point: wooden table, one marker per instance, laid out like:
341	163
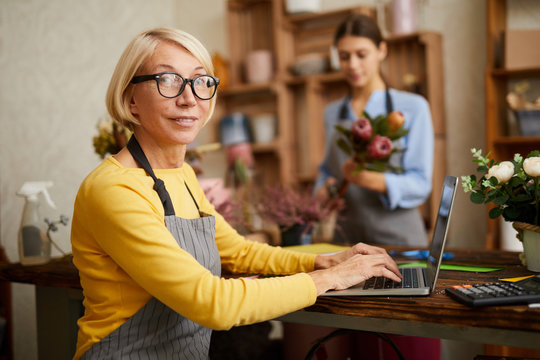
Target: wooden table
436	315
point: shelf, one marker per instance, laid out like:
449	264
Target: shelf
340	13
246	89
498	121
299	102
517	140
324	78
504	73
265	148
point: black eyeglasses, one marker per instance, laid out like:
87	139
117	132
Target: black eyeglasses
171	85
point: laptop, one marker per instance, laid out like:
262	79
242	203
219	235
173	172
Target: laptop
417	281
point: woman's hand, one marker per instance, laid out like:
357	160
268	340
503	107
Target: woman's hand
370	180
323	193
324	261
350	267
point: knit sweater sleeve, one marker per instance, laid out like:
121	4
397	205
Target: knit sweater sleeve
125	255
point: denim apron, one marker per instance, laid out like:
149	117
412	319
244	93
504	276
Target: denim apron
365	218
156	331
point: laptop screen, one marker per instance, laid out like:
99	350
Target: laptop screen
441	229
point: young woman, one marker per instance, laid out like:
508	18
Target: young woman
150	247
380	208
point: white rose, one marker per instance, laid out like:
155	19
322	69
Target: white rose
503	172
532	166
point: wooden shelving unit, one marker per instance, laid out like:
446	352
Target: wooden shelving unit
499	140
299	101
6	349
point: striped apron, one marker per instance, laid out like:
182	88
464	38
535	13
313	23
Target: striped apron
156	331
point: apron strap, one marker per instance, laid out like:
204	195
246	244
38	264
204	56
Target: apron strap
389	103
159	186
344	110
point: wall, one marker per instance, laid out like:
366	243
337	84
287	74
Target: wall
56	58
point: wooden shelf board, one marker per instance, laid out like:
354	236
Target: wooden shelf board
515	72
244	89
263	148
305	17
328	77
516	140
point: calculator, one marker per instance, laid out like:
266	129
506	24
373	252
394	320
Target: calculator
498	293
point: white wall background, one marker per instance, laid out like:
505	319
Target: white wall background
56	58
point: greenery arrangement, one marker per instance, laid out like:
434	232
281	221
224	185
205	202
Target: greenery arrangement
511	186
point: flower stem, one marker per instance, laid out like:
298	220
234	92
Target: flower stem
536	185
332	202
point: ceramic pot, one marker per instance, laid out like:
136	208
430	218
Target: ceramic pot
259	68
324	230
264	128
404	19
234	129
303	6
530	236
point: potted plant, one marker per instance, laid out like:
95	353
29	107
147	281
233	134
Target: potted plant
512	187
294	209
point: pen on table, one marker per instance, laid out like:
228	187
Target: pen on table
418	254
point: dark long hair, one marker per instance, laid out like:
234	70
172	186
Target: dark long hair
359	25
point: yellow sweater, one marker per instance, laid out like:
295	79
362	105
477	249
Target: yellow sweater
126	255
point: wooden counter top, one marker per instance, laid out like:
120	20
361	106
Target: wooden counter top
59	272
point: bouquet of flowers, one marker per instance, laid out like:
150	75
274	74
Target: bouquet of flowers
512	186
369	141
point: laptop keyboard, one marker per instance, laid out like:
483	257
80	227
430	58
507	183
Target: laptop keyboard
409	280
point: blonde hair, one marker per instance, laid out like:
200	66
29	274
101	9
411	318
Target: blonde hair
134	56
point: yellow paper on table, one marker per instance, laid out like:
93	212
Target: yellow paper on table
319	248
516	279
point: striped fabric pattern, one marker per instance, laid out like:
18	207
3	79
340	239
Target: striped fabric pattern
156	331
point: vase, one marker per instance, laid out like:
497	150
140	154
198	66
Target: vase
404	16
259	66
298	234
264	128
323	231
530	236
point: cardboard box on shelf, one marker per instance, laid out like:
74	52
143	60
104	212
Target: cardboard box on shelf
522	49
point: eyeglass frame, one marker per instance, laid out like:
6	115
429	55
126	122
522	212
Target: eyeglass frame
156	77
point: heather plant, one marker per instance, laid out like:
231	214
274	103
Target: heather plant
287	206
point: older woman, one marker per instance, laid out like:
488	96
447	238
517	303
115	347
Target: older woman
150	247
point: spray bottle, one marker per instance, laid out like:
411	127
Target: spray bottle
34	245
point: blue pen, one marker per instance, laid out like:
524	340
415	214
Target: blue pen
418	254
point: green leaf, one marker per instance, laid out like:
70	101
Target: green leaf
523	198
399	133
344	146
344	131
477	197
366	115
511	213
502	199
495	212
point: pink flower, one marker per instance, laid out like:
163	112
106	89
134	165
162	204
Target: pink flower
379	148
361	129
